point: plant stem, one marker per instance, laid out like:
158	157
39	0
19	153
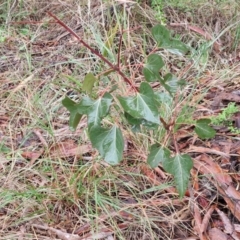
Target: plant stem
114	67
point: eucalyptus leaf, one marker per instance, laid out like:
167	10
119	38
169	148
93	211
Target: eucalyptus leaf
109	143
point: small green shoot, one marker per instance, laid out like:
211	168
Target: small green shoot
225	118
142	107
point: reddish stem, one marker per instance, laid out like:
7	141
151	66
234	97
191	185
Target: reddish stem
114	67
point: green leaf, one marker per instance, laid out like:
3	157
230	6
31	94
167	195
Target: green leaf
179	166
4	148
99	109
75	116
164	40
136	122
163	98
160	34
171	83
109	143
143	105
152	67
84	105
157	155
95	110
203	130
88	83
131	120
175	46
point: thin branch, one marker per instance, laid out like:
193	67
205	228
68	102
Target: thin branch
114	67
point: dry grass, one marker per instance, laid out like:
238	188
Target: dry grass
83	195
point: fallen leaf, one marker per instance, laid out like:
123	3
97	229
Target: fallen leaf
68	149
228	226
198	221
195	182
221	180
237	227
215	233
237	120
150	174
203	202
33	156
207	150
206	218
217	172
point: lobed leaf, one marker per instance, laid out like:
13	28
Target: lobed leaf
161	34
152	67
109	143
163	38
143	105
179	166
157	154
95	110
99	109
203	130
176	46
